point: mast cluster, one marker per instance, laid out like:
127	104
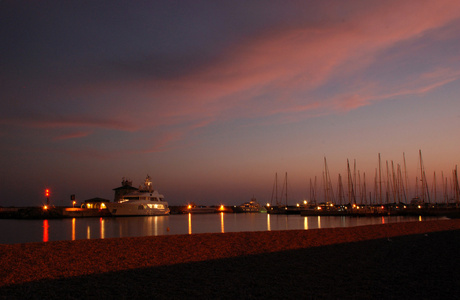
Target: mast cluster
391	185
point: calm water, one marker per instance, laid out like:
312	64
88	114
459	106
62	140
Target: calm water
25	231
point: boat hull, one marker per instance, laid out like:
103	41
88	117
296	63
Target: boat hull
200	210
125	209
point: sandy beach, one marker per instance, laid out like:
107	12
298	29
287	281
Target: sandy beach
398	260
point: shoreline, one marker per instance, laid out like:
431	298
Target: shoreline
63	212
46	263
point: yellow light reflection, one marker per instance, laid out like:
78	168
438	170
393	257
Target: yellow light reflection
268	222
102	221
88	233
305	223
319	222
383	220
73	229
149	225
189	223
222	229
155	222
420	218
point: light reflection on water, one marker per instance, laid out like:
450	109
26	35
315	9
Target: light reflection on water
100	228
45	230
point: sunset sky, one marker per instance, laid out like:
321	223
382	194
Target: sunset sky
212	98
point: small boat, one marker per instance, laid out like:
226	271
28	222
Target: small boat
194	209
143	202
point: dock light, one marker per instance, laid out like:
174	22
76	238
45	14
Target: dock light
298	204
45	207
73	203
305	202
189	207
268	204
222	207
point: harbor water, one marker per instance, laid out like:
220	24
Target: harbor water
13	231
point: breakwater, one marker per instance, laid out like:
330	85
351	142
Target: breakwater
53	212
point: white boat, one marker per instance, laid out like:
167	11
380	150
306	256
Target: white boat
144	202
251	206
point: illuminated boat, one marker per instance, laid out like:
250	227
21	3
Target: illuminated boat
143	202
251	206
192	208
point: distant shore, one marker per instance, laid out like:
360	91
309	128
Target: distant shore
379	260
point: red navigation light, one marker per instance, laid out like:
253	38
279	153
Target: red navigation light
47	192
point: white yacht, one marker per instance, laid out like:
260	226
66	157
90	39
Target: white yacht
143	202
251	206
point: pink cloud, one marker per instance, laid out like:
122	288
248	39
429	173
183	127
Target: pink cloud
164	140
72	135
305	58
51	121
283	67
425	83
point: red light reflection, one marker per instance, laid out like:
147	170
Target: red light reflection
45	230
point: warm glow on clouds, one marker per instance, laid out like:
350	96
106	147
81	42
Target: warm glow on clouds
229	90
288	64
72	135
299	60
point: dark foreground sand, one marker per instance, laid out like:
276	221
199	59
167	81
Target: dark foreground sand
399	260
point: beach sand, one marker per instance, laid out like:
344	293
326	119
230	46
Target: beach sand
397	260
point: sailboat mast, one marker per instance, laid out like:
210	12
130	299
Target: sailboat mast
388	184
393	179
360	189
276	188
456	188
364	188
349	182
354	181
405	178
340	190
421	177
326	181
380	181
376	188
286	190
